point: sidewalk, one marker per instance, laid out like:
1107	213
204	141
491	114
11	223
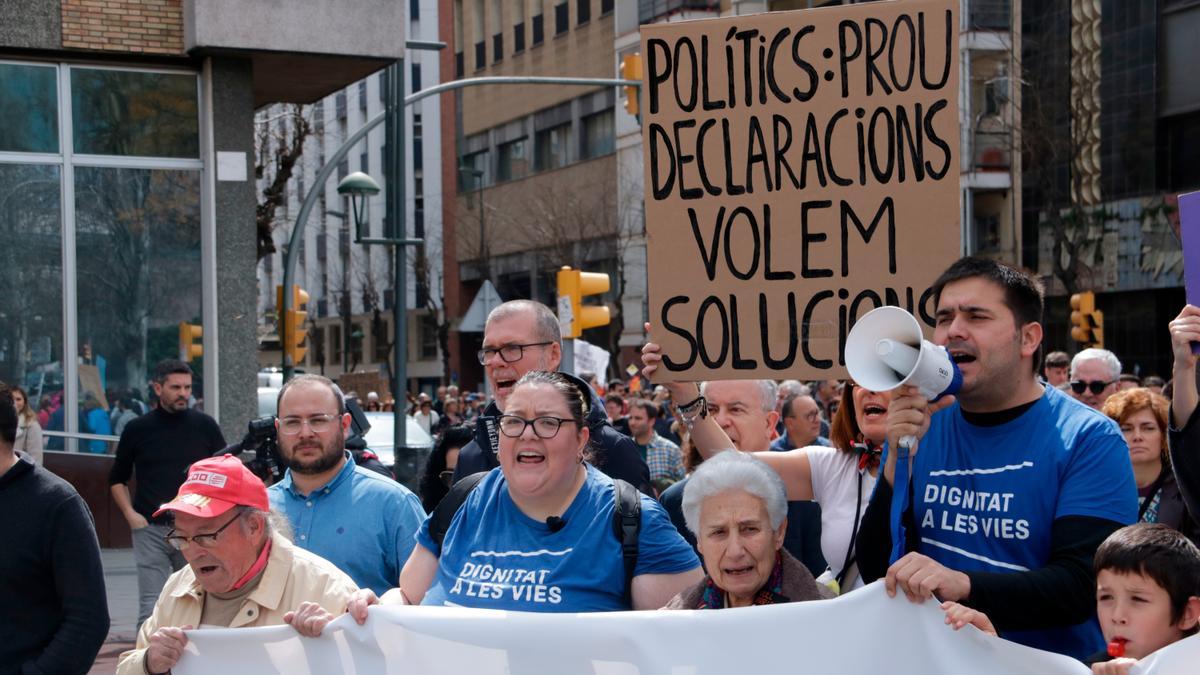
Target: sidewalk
120	582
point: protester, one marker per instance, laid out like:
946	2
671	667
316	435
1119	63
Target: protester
615	407
521	336
52	593
1128	381
736	507
537	534
1012	486
840	479
1147	596
425	416
1094	376
743	417
29	431
373	404
1184	430
801	424
1154	383
1056	368
662	457
358	520
1143	419
97	423
242	571
155	450
439	469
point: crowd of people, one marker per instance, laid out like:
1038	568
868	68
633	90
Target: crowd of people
1052	501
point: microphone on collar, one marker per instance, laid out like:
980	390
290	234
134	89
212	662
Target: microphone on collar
555	523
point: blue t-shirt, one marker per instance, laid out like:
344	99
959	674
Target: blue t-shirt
984	498
496	557
360	521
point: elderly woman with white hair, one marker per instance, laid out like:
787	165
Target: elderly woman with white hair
737	507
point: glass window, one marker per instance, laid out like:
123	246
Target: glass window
121	112
474	173
552	147
598	134
28	108
31	332
427	348
513	160
335	344
137	236
561	20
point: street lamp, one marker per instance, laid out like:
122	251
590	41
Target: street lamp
359	187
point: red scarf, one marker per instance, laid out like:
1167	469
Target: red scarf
257	567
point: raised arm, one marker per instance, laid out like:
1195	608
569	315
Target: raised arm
1184	329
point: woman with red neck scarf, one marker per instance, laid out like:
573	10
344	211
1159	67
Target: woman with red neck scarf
840	478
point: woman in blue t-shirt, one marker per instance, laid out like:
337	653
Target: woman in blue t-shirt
537	533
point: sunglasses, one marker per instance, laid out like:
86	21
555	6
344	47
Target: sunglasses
1097	386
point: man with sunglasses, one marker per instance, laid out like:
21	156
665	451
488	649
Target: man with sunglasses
355	518
1094	376
240	571
521	336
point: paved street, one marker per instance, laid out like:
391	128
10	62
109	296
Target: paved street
120	581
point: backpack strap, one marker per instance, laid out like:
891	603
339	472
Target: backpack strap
627	524
443	514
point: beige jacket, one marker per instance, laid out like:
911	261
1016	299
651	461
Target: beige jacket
292	576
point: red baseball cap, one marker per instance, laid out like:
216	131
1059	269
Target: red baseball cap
215	485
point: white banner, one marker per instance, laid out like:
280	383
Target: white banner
591	359
862	632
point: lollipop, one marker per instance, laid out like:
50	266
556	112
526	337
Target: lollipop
1116	648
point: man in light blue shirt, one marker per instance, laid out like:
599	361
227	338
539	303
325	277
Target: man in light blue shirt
357	519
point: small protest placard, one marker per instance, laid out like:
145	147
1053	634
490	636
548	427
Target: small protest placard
801	169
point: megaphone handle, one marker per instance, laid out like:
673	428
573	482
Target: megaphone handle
907	442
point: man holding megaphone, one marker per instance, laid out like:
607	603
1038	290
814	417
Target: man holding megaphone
996	497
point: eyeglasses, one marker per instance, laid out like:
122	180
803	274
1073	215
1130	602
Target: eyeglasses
319	424
209	540
508	353
446	477
1097	386
543	427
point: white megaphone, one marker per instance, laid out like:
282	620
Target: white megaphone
886	349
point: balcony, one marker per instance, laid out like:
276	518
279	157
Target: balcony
650	11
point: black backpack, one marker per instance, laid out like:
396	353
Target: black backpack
627	519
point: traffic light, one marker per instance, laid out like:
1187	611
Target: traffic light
573	316
631	69
292	329
190	347
1087	322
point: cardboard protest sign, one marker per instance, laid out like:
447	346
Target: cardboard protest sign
801	169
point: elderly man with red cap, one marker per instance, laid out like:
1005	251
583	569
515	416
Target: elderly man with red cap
241	570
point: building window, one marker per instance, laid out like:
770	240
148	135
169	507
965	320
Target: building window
339	104
335	343
583	11
119	112
561	20
475	170
512	160
362	95
414	77
414	10
459	67
551	147
539	23
29	99
606	7
497	47
480	55
380	332
418	134
427	338
598	135
316	346
519	38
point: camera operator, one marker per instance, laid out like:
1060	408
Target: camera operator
357	519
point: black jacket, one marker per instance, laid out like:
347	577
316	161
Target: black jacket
613	452
1179	506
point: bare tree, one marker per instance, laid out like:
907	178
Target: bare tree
280	134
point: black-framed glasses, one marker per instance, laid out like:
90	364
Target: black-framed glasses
508	353
1097	386
545	427
318	423
447	477
207	540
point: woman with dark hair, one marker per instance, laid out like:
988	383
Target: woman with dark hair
435	482
29	431
840	478
537	532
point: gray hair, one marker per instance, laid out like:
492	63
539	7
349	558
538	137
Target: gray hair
767	389
1110	359
732	470
273	522
544	321
789	387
